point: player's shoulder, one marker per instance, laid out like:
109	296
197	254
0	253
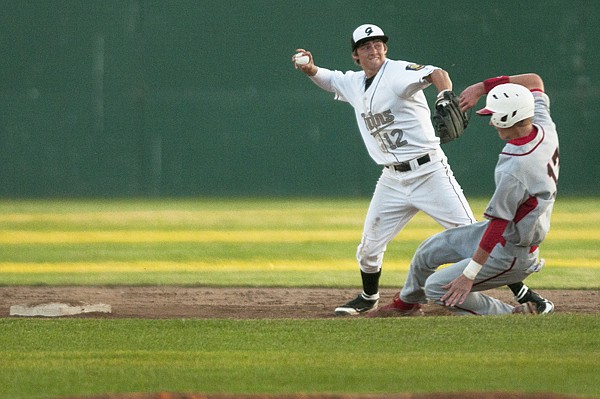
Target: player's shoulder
405	65
541	147
350	74
411	66
349	77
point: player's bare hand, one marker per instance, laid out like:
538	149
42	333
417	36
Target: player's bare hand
458	289
469	97
303	60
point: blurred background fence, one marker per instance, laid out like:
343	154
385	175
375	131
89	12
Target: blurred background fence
151	98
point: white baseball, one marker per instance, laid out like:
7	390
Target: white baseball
301	59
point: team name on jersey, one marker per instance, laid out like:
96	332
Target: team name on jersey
376	122
387	140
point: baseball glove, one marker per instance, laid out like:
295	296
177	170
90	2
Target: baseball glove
449	121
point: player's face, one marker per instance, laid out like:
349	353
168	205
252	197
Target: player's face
371	54
505	134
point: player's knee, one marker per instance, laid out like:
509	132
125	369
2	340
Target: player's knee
433	290
423	260
369	261
369	264
369	268
420	256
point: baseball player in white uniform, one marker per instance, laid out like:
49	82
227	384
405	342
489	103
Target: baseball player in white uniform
504	248
395	123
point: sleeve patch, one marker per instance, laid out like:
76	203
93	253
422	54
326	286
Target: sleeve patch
414	67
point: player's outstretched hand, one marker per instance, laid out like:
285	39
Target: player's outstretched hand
458	289
470	96
303	60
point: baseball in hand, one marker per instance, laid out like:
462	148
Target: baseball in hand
301	59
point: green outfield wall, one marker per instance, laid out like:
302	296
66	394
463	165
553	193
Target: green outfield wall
119	98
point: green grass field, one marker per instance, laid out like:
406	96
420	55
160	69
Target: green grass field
242	242
250	242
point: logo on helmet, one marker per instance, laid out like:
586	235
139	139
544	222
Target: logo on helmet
365	33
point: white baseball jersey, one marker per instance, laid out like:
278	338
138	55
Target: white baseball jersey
526	176
393	131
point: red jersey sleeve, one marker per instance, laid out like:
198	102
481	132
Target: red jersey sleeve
493	234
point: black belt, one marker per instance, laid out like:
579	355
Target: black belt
405	166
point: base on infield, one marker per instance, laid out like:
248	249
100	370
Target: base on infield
56	309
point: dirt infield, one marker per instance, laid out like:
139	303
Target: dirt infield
163	302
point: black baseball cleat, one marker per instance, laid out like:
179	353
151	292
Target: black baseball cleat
356	306
543	306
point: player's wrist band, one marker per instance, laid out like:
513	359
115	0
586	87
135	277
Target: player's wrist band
472	269
490	83
441	93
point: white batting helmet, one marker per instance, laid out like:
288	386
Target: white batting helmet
365	33
508	104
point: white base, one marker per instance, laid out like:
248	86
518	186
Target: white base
58	309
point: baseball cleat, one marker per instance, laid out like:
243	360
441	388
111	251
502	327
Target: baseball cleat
356	306
398	308
543	306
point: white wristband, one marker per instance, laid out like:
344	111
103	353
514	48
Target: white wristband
441	93
472	269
